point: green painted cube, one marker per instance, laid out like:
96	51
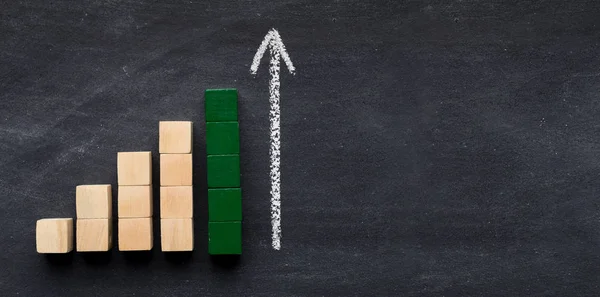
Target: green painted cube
221	105
222	138
224	205
223	171
225	238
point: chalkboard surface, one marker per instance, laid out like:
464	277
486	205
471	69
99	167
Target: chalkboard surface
428	148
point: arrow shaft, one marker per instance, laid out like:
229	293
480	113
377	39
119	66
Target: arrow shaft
273	42
275	149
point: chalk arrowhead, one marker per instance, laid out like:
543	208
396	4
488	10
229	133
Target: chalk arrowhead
272	40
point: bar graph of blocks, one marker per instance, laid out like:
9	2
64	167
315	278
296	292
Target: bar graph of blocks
93	232
223	172
134	175
94	218
176	192
94	226
54	236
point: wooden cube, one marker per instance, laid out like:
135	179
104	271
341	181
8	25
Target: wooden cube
176	202
176	169
176	235
222	138
223	171
224	205
93	202
135	234
224	238
135	201
220	105
174	137
134	168
94	235
54	236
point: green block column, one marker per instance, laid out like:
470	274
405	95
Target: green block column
223	172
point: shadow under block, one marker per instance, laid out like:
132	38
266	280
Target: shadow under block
174	137
134	168
54	236
135	201
176	202
176	169
222	138
220	105
225	238
135	234
223	171
93	202
176	235
94	235
224	205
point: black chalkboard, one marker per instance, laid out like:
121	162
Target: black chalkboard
428	148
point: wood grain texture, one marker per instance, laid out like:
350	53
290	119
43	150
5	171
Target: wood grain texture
175	137
176	235
176	202
176	169
134	168
94	235
54	236
135	234
93	201
135	201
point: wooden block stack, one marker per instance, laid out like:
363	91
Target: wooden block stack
223	172
176	194
54	236
134	171
94	218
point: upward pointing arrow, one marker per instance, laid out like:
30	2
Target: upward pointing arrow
277	50
273	41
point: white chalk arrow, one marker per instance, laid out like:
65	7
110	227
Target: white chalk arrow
277	50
